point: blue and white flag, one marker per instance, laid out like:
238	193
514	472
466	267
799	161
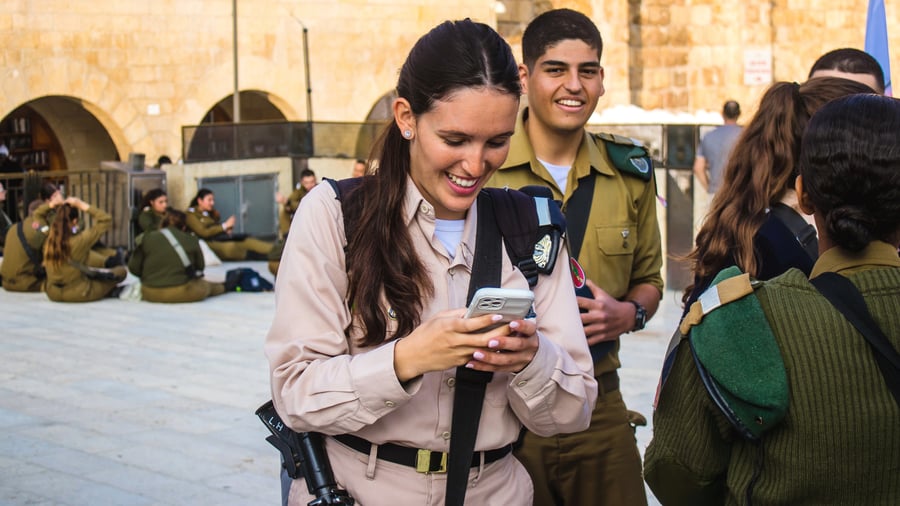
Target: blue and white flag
877	40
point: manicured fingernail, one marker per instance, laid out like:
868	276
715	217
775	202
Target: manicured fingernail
478	355
493	343
513	325
470	365
496	317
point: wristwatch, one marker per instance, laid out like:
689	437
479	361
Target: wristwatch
640	316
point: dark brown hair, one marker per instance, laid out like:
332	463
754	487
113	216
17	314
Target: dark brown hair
762	167
381	260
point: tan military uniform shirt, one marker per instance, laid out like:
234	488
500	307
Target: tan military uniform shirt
17	268
622	246
323	381
202	224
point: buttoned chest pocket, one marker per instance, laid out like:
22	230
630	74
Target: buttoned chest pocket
616	240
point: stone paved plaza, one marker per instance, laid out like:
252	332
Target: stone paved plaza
135	403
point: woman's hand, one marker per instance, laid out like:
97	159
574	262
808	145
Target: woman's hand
447	340
228	225
77	202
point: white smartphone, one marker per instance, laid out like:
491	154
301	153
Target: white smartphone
511	303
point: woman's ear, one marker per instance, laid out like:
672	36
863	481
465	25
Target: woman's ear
404	117
802	198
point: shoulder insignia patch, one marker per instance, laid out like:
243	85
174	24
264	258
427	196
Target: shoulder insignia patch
191	210
628	155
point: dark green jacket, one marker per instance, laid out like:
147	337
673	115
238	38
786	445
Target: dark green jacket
149	220
17	268
157	264
840	440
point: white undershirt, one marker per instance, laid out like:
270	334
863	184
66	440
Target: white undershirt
449	232
560	174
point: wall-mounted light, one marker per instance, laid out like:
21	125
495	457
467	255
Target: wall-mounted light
499	7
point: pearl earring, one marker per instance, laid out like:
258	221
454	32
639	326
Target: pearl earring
407	134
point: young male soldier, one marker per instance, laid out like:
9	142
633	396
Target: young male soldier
853	64
620	253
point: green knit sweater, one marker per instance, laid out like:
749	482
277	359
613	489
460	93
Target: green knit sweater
840	440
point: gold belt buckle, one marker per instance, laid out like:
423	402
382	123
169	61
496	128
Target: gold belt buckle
423	462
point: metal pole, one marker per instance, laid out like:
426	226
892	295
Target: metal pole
237	91
309	114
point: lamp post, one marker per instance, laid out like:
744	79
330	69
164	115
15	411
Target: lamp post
309	114
236	115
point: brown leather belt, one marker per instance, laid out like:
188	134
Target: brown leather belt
424	461
608	382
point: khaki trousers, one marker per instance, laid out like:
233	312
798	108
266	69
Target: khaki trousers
237	250
600	466
192	291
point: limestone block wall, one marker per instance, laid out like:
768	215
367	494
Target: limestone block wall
144	69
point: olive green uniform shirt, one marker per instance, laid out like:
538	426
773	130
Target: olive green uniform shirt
149	220
202	224
157	263
622	246
17	268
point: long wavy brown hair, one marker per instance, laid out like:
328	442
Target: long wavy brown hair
57	247
762	167
380	254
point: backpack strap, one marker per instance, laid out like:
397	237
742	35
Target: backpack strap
845	297
179	249
802	231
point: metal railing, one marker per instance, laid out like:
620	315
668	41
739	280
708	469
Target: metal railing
236	141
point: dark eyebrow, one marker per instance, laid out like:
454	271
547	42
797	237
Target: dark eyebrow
559	63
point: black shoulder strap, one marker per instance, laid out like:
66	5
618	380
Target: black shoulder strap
803	231
578	210
27	247
342	189
845	297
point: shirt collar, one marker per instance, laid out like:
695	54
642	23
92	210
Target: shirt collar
590	155
415	206
837	259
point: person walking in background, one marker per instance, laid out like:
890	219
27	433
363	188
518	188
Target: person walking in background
204	220
712	154
850	63
819	422
372	362
69	278
156	202
606	186
750	219
159	260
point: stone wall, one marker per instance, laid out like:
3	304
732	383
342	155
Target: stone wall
145	69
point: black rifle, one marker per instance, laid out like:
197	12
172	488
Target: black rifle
303	455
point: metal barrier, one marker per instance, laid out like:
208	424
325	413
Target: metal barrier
236	141
117	191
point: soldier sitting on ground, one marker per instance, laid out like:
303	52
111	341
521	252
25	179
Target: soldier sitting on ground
170	264
205	221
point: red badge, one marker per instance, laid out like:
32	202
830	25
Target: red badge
578	277
35	225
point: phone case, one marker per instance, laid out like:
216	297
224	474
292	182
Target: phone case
513	304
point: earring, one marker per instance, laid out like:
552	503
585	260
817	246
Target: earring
407	134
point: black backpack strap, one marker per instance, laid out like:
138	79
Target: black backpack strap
468	397
578	210
845	297
342	189
27	247
803	231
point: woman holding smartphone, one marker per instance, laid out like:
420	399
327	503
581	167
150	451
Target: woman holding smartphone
373	364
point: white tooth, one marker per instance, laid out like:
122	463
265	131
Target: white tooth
465	183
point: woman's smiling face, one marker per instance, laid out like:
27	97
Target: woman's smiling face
457	145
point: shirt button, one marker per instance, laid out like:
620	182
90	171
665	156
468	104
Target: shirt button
521	383
389	404
425	209
445	435
451	382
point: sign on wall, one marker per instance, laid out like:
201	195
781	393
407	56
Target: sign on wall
757	66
